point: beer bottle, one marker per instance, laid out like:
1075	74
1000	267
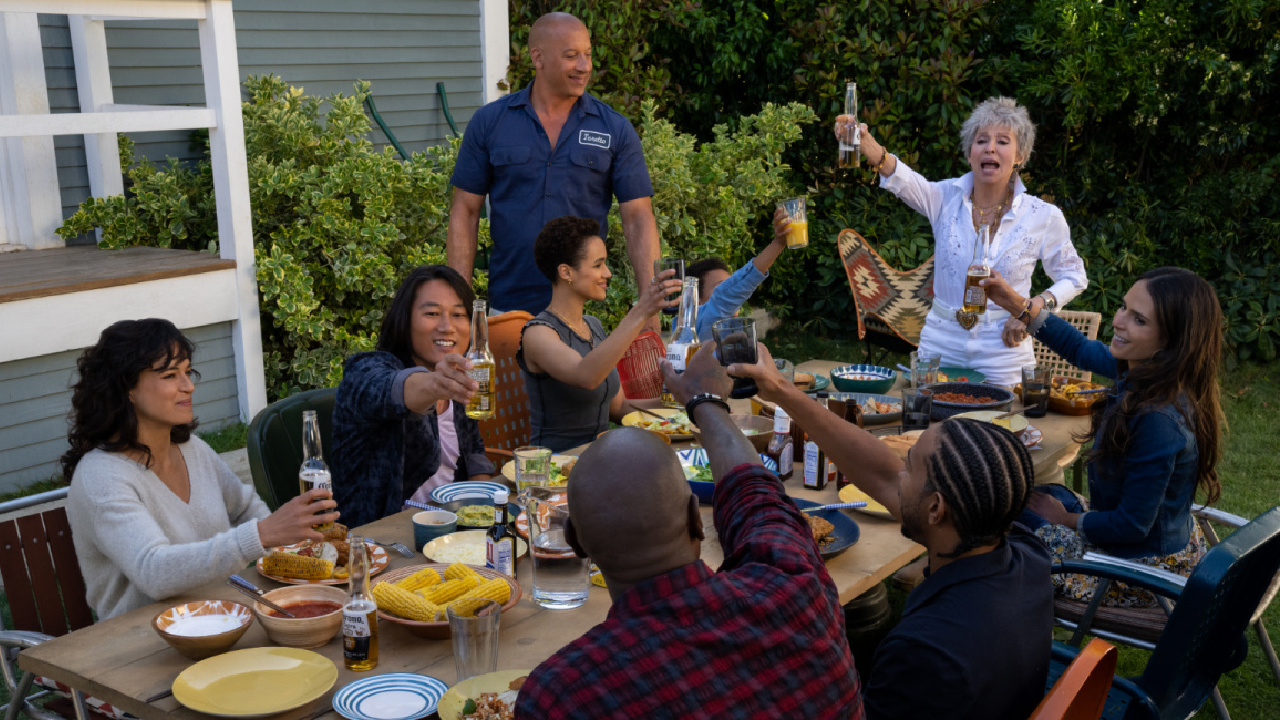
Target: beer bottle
684	336
314	473
975	296
851	141
481	405
780	448
500	543
853	415
359	615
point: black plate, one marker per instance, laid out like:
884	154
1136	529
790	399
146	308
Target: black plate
840	539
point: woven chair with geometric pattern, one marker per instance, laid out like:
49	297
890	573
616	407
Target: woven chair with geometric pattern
510	426
1087	323
891	304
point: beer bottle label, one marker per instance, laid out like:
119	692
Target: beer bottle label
811	477
975	295
482	376
785	460
356	636
676	356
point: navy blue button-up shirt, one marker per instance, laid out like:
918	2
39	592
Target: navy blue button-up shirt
506	154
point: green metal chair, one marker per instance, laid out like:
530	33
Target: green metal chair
275	443
1205	634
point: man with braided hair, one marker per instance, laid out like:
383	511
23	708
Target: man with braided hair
975	635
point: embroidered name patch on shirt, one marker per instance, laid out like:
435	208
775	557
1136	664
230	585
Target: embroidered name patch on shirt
588	137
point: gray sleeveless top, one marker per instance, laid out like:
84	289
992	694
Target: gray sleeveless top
564	416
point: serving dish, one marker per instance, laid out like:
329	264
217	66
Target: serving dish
863	378
678	432
390	696
999	398
696	457
439	629
478	489
876	418
378	561
469	539
450	707
509	470
302	632
844	535
757	428
230	619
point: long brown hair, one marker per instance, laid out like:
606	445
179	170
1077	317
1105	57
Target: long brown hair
1183	374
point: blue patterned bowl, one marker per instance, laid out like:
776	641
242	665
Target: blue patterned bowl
863	378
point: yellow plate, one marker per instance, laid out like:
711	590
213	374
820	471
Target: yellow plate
451	704
255	682
1017	423
849	493
637	418
509	470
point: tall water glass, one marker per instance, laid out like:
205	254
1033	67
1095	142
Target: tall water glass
560	577
533	466
736	343
670	263
475	640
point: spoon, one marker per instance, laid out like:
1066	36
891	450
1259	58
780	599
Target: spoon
255	592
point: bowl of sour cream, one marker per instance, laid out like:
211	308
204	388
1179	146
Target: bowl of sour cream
203	628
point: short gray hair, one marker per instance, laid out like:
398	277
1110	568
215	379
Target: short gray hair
1000	111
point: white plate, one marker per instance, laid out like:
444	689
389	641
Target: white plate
391	696
467	489
466	538
509	470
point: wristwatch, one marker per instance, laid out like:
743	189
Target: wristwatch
700	398
1050	302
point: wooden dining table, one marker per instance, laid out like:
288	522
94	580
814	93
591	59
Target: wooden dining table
123	661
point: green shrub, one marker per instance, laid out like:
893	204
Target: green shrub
336	224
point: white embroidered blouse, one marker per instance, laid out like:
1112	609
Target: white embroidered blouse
1031	230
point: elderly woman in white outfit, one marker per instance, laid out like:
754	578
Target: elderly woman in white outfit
997	140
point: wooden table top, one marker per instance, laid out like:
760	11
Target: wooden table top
123	661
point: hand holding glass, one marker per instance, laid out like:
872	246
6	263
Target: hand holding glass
797	222
736	340
670	263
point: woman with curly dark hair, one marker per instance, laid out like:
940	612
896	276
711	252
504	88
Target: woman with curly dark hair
567	360
1156	434
154	511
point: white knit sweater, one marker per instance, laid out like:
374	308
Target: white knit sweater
138	542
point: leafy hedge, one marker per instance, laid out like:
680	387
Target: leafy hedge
1153	118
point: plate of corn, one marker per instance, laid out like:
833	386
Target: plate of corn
418	595
321	563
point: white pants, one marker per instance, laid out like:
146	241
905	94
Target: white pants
979	348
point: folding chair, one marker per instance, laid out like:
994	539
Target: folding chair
1081	691
891	304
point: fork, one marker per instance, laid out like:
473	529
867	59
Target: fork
398	547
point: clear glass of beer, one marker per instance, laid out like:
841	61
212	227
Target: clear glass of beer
798	222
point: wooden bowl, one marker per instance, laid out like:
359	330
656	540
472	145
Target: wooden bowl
762	425
439	629
302	632
199	647
1078	405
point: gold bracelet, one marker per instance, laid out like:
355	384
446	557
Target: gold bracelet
876	171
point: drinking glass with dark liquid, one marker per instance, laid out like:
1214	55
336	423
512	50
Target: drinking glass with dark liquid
736	340
670	263
1035	391
917	406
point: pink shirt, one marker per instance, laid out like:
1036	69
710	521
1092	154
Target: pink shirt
448	436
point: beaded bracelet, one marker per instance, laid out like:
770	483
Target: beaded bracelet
1026	313
875	173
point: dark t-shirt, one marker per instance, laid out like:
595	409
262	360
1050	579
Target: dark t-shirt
974	640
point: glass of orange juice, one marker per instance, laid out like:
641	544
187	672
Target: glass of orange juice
798	222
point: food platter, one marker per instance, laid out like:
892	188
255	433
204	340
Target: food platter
955	374
645	421
850	493
390	696
378	561
697	458
820	383
450	707
878	418
509	470
255	682
844	535
466	540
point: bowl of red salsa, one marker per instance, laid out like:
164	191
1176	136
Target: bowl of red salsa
317	610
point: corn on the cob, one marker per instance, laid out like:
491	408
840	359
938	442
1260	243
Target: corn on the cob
459	570
450	589
401	602
424	578
495	589
296	566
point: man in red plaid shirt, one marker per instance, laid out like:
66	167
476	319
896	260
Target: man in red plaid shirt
764	636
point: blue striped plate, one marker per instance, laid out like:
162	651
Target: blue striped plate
698	456
466	489
391	696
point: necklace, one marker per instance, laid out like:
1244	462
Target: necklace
997	211
582	334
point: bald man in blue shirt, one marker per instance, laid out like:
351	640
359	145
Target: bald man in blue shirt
549	150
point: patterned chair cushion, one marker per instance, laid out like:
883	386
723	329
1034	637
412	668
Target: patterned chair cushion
901	300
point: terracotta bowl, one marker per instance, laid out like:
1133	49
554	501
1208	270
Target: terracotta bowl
439	630
199	647
762	425
302	632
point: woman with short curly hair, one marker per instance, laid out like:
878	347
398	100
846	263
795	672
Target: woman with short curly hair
154	511
565	356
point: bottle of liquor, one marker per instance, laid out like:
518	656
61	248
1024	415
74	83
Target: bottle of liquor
780	447
359	615
314	473
500	542
851	142
684	335
483	368
852	414
818	470
975	296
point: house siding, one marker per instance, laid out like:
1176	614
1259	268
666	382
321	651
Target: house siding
402	47
35	397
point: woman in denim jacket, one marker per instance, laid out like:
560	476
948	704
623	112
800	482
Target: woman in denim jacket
400	427
1156	434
